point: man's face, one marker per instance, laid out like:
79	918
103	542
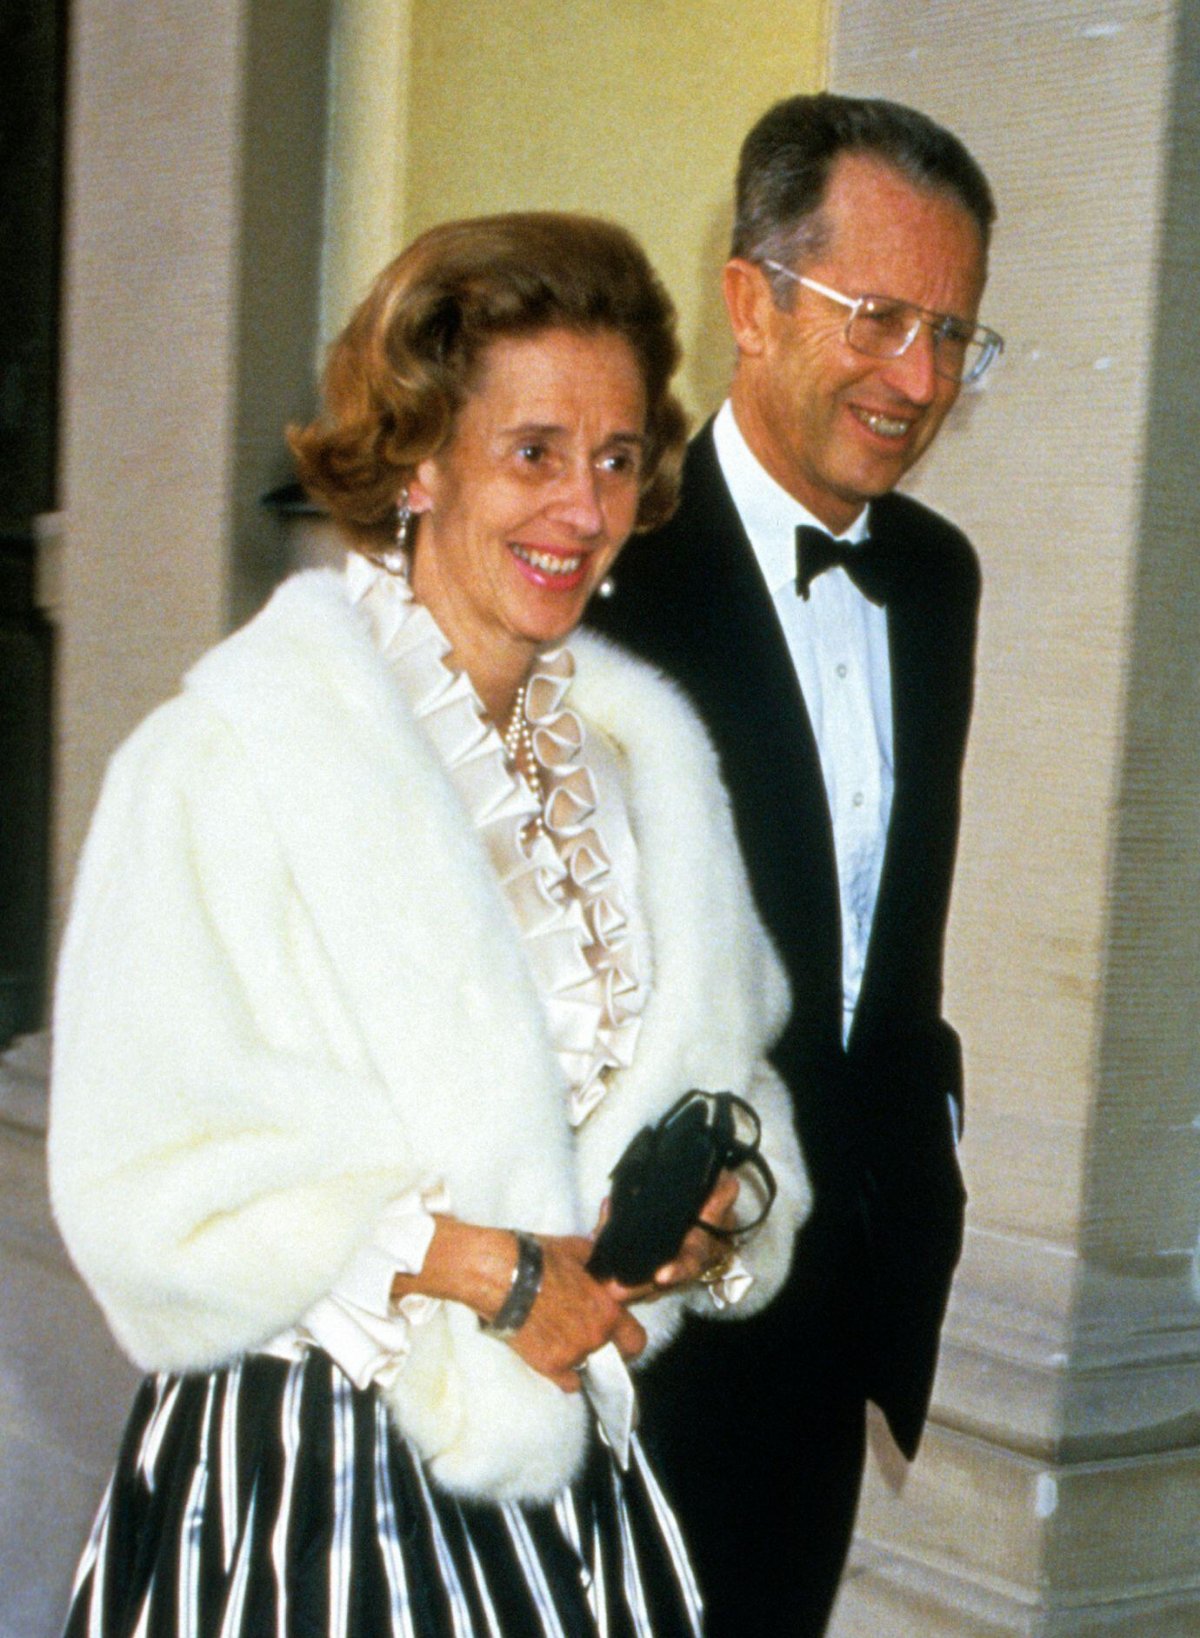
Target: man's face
834	427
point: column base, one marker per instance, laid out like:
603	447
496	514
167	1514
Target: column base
886	1596
1057	1489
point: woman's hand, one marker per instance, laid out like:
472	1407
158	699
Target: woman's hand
573	1315
698	1254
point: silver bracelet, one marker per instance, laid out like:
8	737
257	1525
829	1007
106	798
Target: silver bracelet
522	1292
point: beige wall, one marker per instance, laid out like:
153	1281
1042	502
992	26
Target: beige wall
194	192
628	108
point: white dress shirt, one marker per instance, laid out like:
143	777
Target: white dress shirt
837	640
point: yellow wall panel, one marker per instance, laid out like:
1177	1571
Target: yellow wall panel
630	108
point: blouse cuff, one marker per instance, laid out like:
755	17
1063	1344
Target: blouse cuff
357	1323
733	1285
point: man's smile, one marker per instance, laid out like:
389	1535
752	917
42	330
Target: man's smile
887	426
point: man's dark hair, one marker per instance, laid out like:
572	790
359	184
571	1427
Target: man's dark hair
787	158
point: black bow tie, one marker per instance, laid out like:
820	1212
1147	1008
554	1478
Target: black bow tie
816	551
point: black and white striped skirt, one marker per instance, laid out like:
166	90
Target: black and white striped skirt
274	1499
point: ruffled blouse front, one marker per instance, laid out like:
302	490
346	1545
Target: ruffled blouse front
584	943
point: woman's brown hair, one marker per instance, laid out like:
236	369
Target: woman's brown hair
405	363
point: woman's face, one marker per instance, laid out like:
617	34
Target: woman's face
526	507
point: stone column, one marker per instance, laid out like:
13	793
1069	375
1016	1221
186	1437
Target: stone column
1058	1488
193	233
193	239
368	150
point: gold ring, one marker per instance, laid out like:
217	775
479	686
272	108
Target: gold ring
715	1271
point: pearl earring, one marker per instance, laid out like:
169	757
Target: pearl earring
395	559
404	521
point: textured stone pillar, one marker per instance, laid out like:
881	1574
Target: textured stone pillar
193	232
1058	1488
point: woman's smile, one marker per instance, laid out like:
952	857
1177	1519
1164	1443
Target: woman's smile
548	566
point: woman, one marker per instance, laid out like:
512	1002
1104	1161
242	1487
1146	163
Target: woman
391	931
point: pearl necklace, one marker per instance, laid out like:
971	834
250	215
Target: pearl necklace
522	758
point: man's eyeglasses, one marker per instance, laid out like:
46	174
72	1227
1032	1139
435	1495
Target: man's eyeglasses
882	327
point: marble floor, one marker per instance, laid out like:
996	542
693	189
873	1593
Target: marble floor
64	1388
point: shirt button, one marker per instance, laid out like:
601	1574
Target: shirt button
859	799
842	669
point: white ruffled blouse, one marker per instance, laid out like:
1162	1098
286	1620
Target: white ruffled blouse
569	884
586	945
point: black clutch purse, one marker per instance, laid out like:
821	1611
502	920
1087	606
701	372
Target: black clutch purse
667	1173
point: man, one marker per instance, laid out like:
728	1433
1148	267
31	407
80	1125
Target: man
839	707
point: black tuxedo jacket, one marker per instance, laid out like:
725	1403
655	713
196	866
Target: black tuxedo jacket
873	1116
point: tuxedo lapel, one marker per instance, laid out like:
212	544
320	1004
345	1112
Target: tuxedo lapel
692	600
930	645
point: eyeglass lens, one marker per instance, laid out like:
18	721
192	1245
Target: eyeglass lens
886	329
